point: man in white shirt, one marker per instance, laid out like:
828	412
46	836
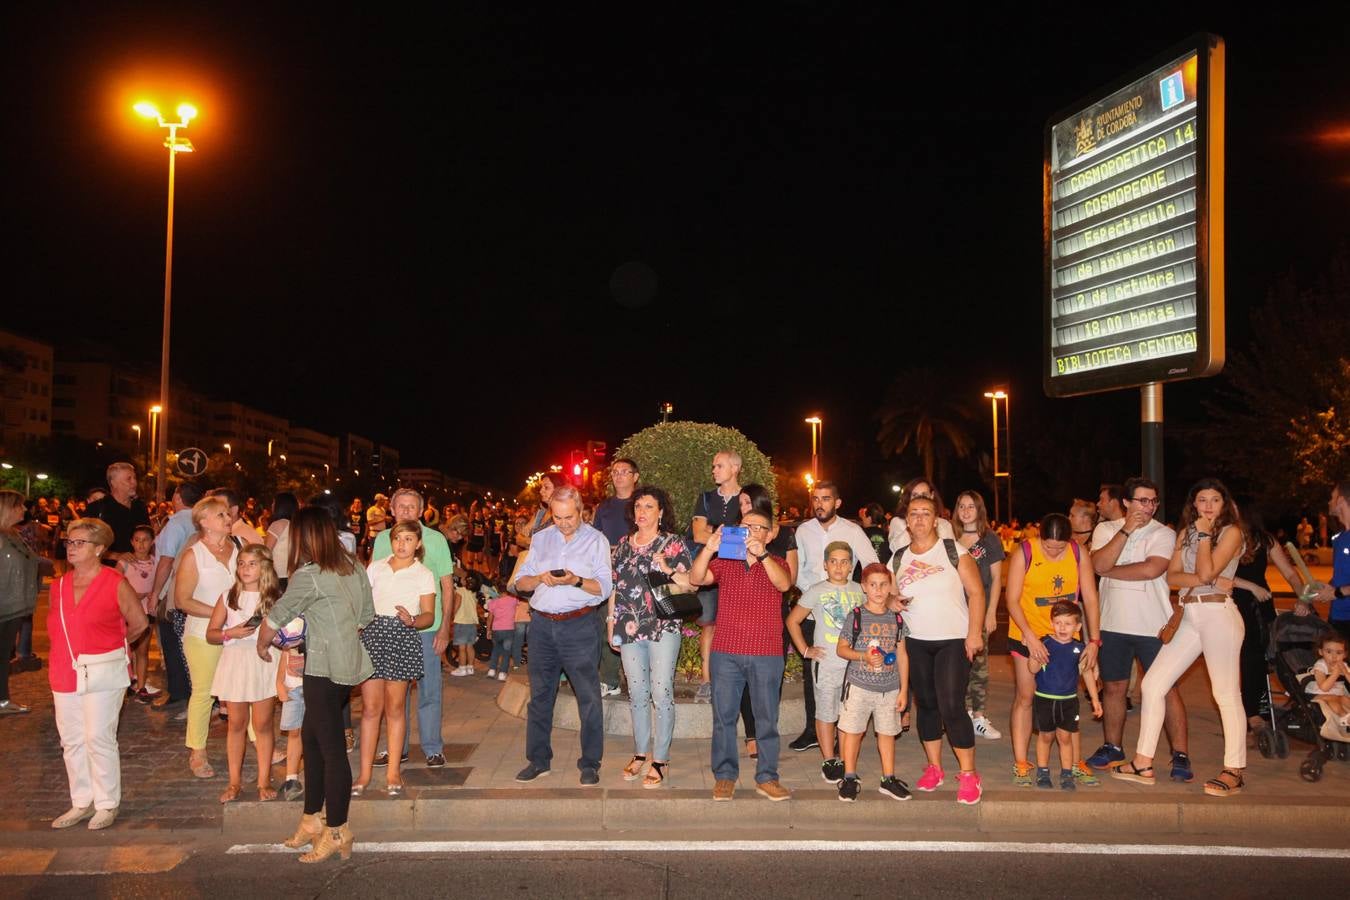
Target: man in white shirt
823	528
1131	554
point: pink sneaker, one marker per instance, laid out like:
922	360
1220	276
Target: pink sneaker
968	789
930	780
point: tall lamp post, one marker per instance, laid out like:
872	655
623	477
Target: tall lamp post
994	397
137	429
155	412
816	428
176	145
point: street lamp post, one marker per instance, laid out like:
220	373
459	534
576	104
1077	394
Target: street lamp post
155	412
816	431
137	429
994	397
176	145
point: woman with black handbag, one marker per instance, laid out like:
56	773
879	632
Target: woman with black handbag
651	566
94	613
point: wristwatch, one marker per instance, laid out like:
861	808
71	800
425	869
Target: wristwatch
579	581
761	557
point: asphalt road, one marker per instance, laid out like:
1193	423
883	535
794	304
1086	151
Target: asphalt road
840	873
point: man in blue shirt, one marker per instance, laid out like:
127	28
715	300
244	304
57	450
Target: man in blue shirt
1338	592
172	538
569	571
611	519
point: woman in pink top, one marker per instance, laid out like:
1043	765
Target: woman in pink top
93	610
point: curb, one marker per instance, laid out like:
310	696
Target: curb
567	810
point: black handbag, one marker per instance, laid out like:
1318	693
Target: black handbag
665	600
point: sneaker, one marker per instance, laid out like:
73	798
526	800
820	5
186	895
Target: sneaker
589	777
1043	778
292	789
531	773
849	789
492	673
804	741
969	789
1181	768
607	690
1066	780
773	790
435	761
382	759
1083	775
349	735
984	728
704	693
181	715
143	697
10	708
894	788
501	676
930	780
832	770
1023	774
1107	755
724	789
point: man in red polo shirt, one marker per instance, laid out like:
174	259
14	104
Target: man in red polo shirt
747	651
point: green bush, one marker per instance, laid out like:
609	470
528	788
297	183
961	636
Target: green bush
677	456
689	664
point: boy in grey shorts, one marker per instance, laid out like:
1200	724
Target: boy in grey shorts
831	603
876	684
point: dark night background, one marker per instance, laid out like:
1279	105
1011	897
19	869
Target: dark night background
407	227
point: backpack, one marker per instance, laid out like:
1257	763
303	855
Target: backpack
948	543
857	625
1077	559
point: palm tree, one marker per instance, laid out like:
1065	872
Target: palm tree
918	413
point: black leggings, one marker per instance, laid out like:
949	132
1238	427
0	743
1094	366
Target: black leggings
328	775
9	631
1252	665
938	675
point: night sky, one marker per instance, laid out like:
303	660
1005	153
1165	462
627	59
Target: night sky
442	233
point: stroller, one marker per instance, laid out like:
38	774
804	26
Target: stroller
1292	650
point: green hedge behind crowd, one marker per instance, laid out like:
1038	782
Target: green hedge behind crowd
677	456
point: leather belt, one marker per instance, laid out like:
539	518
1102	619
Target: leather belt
1205	598
563	617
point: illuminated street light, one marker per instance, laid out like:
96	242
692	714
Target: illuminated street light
816	433
895	489
228	449
993	397
175	145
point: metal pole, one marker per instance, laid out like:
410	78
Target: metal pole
993	408
161	451
815	452
1007	445
1151	437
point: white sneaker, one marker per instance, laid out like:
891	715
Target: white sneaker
458	673
609	691
492	673
984	728
501	676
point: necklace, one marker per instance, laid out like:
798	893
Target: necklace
970	531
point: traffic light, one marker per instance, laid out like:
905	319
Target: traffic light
574	467
598	451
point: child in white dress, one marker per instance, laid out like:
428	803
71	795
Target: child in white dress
244	682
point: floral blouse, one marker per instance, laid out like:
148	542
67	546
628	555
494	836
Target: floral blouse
634	612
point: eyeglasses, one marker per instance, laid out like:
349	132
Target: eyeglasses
1144	501
757	528
75	542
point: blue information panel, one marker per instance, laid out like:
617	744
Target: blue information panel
1134	228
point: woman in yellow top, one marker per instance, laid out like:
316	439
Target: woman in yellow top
1041	572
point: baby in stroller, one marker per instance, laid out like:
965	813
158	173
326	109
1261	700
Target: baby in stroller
1298	645
1326	683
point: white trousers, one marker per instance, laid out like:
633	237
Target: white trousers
1216	630
88	728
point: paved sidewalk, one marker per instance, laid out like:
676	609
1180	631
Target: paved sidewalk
485	747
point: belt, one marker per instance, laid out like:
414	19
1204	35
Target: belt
563	617
1205	598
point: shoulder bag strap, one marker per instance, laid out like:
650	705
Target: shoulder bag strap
61	608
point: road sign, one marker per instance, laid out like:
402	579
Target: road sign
191	462
1133	233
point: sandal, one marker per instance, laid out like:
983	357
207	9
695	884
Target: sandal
266	793
656	775
1217	787
230	793
394	790
1130	772
904	722
201	768
633	770
358	790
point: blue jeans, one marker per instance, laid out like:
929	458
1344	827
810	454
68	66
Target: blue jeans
501	650
428	701
178	681
650	667
571	646
518	642
732	674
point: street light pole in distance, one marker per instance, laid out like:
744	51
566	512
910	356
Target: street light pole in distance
993	397
817	430
176	145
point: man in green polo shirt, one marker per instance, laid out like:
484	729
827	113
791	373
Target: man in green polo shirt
406	506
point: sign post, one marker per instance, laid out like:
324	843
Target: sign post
1133	235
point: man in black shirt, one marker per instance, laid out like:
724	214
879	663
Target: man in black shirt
611	520
720	506
120	509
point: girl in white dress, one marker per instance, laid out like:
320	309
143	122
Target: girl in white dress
243	681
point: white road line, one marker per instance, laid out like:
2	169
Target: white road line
794	846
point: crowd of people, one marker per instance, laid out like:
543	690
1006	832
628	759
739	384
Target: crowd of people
892	615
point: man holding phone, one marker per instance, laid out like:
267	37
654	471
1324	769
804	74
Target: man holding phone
568	570
720	506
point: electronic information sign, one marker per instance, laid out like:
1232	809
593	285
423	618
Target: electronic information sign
1134	228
